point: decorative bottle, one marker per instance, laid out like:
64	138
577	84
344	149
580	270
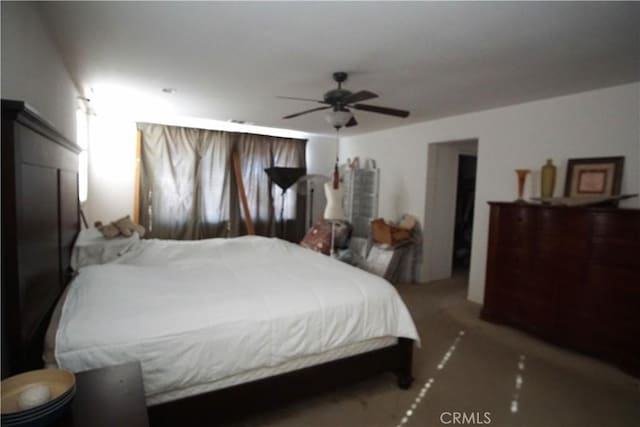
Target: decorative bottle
522	178
548	179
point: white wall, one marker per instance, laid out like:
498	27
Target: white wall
597	123
321	157
112	156
32	69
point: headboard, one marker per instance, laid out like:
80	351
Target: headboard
40	221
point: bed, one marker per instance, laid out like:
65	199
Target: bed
209	314
222	325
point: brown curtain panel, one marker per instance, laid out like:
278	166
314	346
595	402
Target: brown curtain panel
255	157
289	153
214	210
169	181
188	191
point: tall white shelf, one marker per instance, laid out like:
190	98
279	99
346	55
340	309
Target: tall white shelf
361	198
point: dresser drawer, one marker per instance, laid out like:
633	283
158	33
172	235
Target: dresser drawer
616	253
509	278
538	286
616	226
501	306
601	338
533	316
515	226
519	279
537	317
612	295
510	257
562	222
555	247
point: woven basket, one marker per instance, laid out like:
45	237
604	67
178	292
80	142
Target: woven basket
387	233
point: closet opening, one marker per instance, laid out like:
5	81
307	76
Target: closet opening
465	199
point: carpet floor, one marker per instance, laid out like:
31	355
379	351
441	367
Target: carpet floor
470	372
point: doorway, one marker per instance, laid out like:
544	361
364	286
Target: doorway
451	182
465	199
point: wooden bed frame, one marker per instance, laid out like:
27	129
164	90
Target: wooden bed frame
40	221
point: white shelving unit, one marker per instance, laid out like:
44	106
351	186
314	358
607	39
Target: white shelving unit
361	198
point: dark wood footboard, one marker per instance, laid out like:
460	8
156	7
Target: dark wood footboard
220	406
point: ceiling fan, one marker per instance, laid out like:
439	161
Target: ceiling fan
340	101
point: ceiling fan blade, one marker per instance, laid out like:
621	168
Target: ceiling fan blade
301	99
352	122
363	95
381	110
305	112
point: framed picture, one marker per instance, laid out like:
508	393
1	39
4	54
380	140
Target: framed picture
599	176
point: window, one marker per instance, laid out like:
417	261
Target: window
188	188
82	137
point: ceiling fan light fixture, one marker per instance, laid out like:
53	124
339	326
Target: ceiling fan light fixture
339	101
338	118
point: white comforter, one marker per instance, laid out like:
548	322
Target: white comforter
196	312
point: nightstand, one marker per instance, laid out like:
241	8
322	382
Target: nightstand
108	397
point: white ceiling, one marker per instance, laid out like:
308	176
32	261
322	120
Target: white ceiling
231	60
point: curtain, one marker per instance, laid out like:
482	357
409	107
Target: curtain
169	181
188	189
289	153
215	185
255	157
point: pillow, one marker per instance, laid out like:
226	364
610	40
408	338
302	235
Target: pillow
92	247
127	227
109	231
123	226
318	238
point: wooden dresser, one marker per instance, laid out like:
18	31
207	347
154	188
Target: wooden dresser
569	275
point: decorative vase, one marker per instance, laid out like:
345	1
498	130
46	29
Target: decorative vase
522	178
548	179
